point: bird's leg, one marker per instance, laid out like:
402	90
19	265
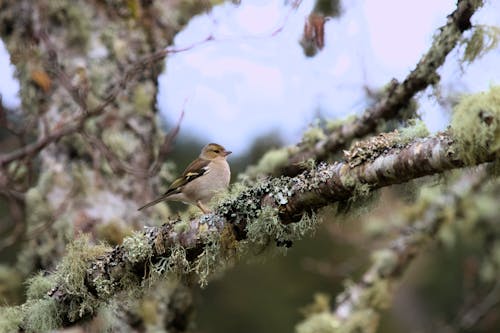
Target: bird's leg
204	209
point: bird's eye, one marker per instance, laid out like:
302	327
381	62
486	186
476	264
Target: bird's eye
216	151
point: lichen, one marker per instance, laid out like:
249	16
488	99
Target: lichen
10	319
323	322
71	272
42	316
39	285
313	135
483	39
137	247
122	142
75	17
475	125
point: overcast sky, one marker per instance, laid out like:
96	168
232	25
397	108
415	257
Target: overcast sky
250	82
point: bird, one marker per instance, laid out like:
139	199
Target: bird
206	176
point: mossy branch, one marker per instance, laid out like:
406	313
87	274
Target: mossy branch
357	307
398	95
275	211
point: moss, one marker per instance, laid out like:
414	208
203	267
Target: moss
323	322
365	321
320	304
10	319
71	273
137	247
313	135
143	96
39	286
385	261
333	125
416	129
483	39
113	232
123	143
475	125
74	17
42	316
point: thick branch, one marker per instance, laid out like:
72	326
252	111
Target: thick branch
287	198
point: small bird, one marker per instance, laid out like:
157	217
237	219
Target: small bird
202	179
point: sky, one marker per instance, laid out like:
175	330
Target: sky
251	81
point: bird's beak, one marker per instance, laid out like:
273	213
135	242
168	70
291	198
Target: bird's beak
227	152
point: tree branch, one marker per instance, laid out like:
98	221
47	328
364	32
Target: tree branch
356	308
398	96
255	216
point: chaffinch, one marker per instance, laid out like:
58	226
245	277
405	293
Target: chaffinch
202	179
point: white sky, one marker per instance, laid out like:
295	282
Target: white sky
247	82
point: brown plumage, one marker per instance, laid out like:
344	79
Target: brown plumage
202	179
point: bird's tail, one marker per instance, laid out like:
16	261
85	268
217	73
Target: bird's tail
154	202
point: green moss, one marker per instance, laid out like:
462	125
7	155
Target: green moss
71	273
333	125
10	319
143	96
122	142
42	316
483	39
385	261
323	322
39	286
137	247
475	125
365	321
74	17
313	135
416	129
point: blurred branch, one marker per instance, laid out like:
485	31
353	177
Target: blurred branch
479	310
76	124
397	95
373	292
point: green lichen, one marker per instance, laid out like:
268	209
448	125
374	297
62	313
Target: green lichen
475	125
39	286
365	321
313	135
42	316
75	17
143	96
121	142
10	319
209	261
335	124
137	247
323	322
416	129
483	39
71	272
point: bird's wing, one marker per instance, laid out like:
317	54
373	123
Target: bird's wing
197	168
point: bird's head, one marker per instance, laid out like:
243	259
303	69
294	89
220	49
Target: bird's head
213	150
